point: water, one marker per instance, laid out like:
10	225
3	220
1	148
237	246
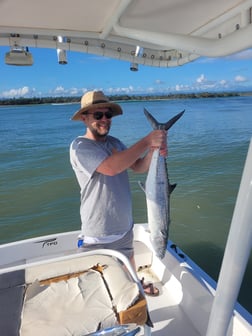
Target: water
207	150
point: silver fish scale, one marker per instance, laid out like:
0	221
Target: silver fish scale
157	199
157	190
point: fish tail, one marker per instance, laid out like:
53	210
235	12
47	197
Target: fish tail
157	125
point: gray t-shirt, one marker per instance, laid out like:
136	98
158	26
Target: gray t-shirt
106	208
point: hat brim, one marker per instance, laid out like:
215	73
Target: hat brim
115	108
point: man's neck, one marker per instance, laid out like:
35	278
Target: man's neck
95	137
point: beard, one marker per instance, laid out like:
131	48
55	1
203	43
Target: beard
100	131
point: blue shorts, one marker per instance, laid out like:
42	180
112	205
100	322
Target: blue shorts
123	245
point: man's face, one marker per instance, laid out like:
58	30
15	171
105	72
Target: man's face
98	121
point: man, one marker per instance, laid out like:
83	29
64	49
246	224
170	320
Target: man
100	162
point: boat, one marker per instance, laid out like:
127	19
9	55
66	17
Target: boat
157	33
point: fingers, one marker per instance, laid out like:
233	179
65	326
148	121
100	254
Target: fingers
163	151
158	139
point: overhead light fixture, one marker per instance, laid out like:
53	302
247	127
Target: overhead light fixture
138	53
19	56
134	67
62	58
61	53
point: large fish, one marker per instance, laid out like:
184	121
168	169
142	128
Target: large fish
158	189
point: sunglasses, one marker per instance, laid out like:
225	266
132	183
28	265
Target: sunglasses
99	115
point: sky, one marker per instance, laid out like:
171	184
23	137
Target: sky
86	72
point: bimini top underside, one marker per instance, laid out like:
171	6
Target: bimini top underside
155	33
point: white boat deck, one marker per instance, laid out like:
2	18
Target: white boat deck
166	313
186	293
169	319
167	316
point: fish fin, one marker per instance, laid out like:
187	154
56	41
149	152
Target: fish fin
154	123
157	125
172	121
142	185
172	187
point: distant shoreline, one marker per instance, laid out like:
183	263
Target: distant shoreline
76	100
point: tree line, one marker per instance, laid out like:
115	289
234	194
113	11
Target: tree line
124	97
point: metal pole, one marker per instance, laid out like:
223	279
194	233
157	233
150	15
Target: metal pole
235	257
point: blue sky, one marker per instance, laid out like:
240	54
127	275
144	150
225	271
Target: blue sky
89	72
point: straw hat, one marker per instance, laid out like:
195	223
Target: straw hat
93	99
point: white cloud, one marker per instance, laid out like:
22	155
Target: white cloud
159	82
150	90
202	83
59	89
17	93
201	79
180	87
120	90
240	79
74	92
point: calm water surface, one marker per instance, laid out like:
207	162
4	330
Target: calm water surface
207	150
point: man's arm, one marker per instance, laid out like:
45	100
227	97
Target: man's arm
142	164
131	157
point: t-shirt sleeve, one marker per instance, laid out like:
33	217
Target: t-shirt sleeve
86	156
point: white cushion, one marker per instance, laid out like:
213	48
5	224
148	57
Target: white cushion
74	307
124	291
